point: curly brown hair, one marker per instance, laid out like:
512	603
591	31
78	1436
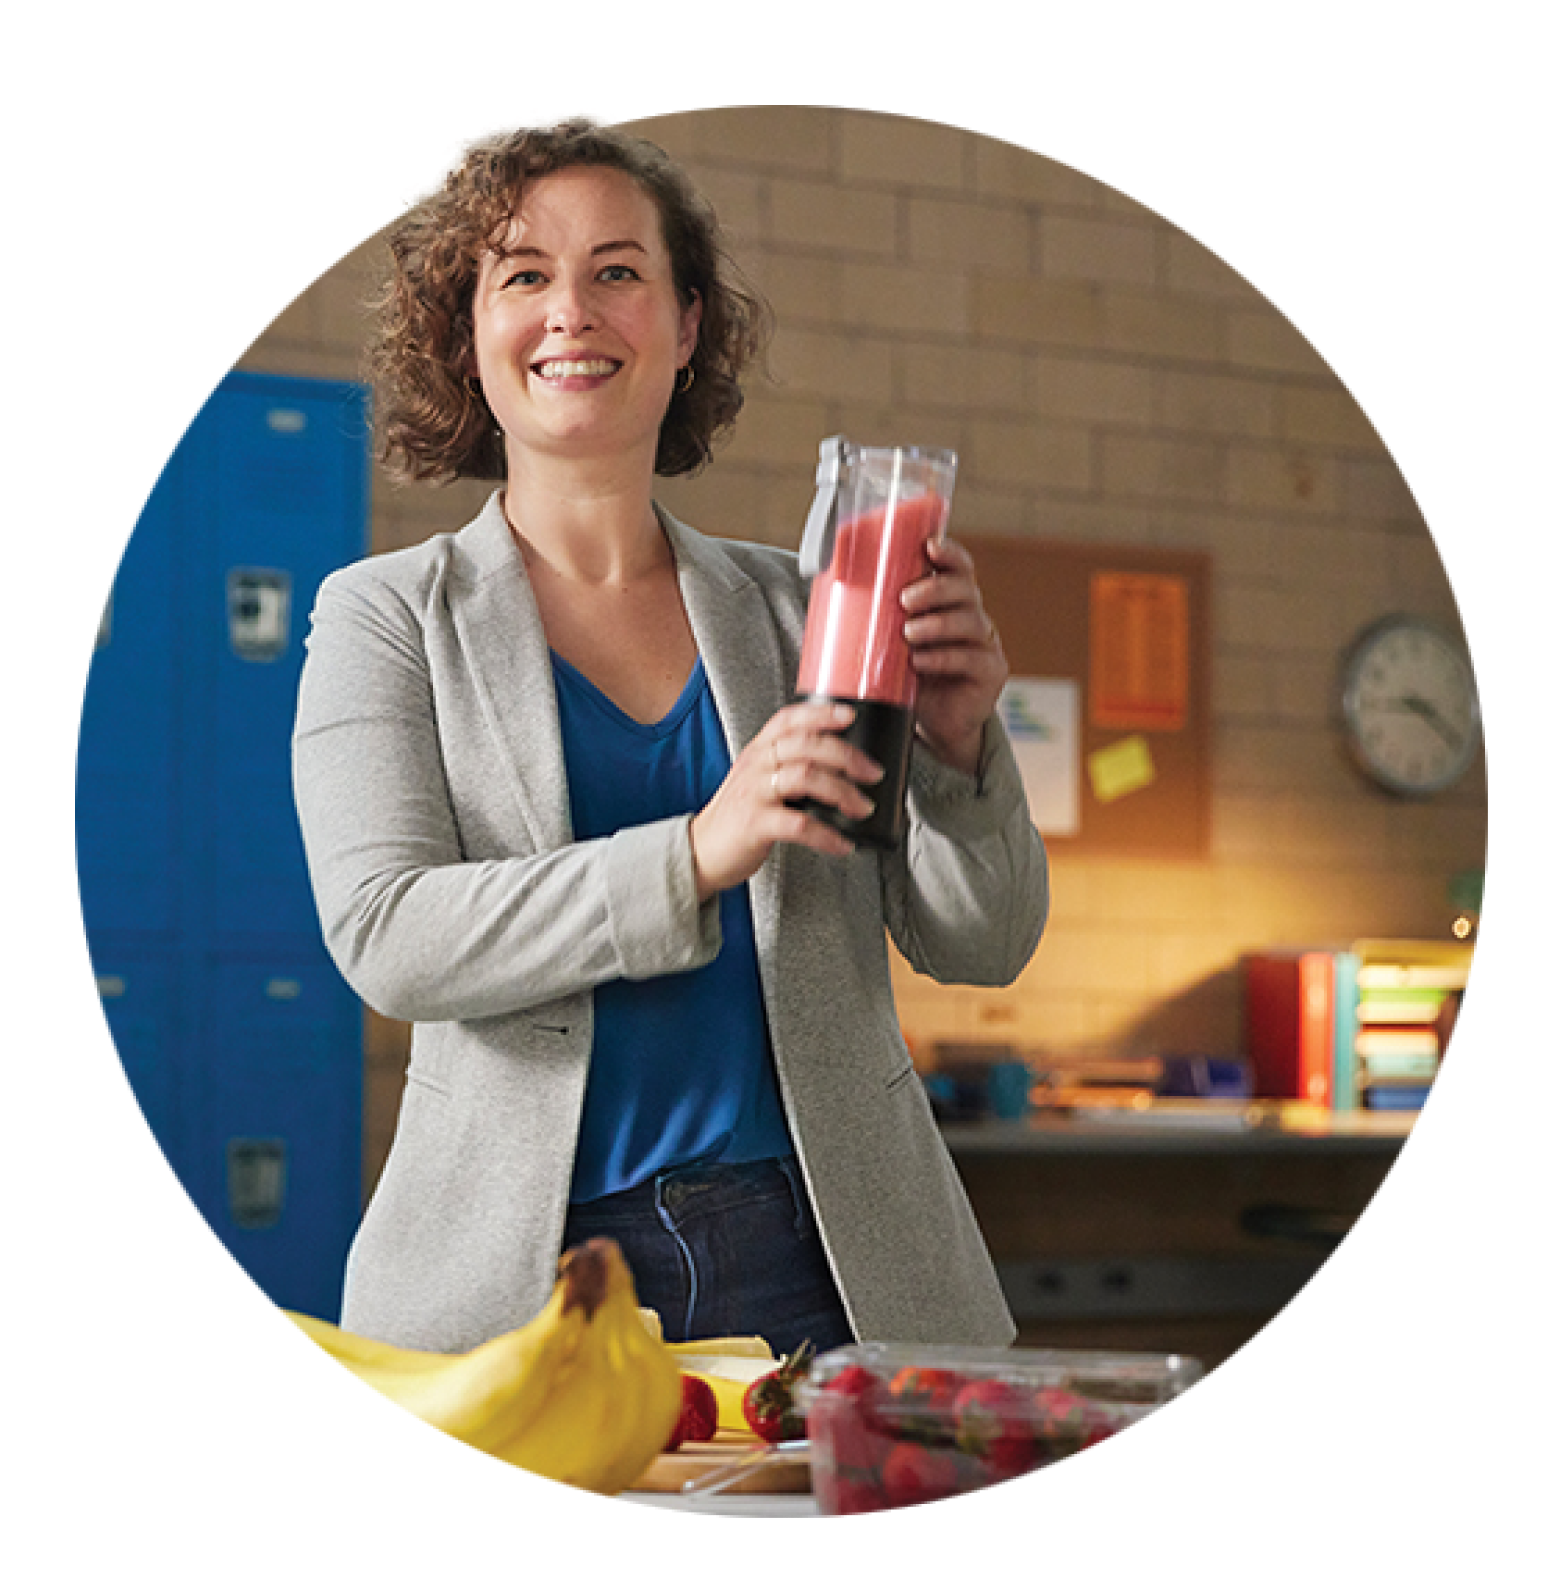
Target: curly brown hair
434	423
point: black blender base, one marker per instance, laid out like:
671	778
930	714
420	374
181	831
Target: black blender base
885	733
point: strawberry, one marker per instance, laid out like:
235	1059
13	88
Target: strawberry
840	1494
922	1401
855	1382
845	1426
931	1389
991	1422
915	1473
1066	1423
1059	1426
769	1403
1063	1423
699	1413
1057	1407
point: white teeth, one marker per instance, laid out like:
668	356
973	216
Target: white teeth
564	368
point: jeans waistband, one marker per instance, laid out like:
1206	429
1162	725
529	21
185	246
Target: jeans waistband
678	1187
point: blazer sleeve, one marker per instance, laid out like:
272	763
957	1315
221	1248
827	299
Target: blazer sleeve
421	931
967	893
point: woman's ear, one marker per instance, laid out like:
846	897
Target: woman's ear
691	316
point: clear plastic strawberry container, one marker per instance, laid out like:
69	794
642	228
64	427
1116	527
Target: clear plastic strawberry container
895	1424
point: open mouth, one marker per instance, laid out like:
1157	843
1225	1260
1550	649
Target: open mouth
576	368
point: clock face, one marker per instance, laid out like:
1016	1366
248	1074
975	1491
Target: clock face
1409	705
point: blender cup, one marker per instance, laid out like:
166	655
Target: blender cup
875	511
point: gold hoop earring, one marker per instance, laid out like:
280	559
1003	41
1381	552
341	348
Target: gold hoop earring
684	385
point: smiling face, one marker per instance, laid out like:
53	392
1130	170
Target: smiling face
578	328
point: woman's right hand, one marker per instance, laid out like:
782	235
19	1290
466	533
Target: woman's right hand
799	754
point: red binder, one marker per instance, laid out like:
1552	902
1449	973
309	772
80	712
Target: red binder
1288	1003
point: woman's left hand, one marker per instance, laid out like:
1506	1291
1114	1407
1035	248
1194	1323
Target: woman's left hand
957	655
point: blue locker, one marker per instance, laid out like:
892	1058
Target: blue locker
241	1041
126	850
285	462
277	1122
137	981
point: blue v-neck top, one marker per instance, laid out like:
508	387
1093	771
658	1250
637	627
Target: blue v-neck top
681	1068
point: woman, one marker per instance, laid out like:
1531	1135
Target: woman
545	771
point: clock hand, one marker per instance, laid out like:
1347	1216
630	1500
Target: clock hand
1428	713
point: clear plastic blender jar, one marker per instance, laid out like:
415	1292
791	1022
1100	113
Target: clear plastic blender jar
875	512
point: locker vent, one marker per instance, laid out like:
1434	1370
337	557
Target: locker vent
259	601
257	1181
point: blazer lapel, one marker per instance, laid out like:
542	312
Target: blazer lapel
511	667
733	631
736	635
504	644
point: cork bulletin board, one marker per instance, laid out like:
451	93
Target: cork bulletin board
1113	641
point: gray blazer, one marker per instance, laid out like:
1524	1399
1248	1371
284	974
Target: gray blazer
429	778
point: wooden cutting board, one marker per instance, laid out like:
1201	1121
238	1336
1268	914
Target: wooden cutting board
672	1470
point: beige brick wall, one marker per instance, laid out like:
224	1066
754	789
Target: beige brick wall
1104	379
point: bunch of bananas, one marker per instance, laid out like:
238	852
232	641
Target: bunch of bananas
583	1393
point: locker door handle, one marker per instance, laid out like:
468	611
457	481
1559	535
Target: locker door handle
259	609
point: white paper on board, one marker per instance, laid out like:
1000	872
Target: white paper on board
1041	717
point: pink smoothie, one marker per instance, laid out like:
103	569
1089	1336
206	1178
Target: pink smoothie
854	646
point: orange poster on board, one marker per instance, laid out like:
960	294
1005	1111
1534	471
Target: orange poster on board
1139	638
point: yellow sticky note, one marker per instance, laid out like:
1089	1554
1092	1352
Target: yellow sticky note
1125	766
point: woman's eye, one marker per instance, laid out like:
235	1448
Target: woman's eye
619	272
523	277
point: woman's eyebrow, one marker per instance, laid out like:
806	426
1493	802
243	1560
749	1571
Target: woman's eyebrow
529	250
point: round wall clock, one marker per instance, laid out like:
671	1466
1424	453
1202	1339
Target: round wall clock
1408	706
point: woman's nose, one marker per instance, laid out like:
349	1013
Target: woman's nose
569	309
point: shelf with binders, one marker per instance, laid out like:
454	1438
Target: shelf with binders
1409	994
1361	1028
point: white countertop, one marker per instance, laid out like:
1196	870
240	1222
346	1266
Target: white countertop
765	1506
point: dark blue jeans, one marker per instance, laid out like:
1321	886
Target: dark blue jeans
724	1251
